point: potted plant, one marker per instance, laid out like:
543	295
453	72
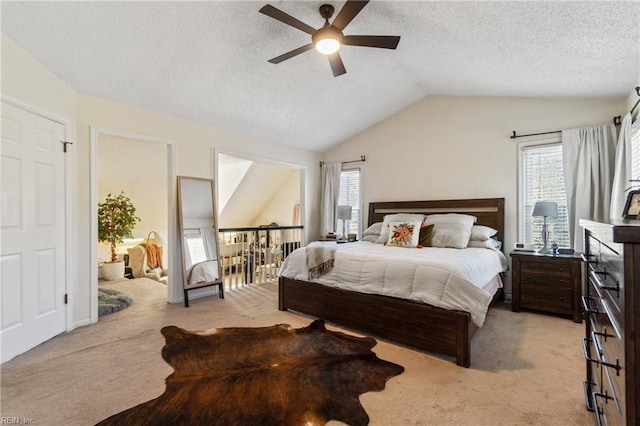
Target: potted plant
116	220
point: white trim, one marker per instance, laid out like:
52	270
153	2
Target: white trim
173	291
69	191
542	141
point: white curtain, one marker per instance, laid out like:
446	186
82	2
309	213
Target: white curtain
329	194
588	156
209	242
622	169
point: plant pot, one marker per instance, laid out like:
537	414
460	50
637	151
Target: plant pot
113	270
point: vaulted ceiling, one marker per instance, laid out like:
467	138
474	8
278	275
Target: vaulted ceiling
207	61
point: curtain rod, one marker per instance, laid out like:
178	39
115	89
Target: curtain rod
513	136
362	158
617	120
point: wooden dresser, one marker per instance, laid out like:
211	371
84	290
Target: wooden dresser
612	316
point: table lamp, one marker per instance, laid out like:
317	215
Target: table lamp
344	214
545	209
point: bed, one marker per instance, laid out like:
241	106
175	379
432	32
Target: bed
409	322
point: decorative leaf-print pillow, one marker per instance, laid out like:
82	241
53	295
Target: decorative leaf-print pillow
404	234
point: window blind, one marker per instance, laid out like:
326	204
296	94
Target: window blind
543	180
350	195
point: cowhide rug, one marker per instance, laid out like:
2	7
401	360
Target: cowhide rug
274	375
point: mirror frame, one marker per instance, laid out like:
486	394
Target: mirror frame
185	284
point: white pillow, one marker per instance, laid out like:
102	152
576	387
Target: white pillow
482	233
398	217
374	229
404	234
490	244
371	238
450	230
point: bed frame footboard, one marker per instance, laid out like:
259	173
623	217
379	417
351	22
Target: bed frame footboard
406	322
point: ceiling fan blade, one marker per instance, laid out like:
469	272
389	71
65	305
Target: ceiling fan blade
336	64
385	42
349	11
286	19
291	54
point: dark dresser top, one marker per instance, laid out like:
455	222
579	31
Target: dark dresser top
616	230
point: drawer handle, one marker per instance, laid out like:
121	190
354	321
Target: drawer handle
596	407
587	258
561	269
588	395
586	306
596	280
605	334
585	350
615	366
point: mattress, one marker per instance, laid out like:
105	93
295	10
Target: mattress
458	279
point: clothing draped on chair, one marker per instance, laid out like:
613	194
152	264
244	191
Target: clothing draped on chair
588	157
329	197
154	255
623	168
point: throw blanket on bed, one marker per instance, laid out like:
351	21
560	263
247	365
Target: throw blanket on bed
320	260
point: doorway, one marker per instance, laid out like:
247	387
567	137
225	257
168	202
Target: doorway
143	168
273	189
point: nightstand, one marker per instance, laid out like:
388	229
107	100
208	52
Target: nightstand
547	283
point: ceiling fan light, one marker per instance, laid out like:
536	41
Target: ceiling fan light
328	45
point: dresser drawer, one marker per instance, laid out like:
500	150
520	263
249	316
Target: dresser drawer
546	298
605	272
546	273
606	409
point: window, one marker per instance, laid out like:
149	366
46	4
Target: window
350	194
195	247
542	179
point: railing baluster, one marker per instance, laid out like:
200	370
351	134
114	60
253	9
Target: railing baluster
254	254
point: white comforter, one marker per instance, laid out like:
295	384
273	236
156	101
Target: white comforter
444	277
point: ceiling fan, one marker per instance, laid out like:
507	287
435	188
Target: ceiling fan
329	37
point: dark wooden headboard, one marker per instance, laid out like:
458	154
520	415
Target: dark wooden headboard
489	211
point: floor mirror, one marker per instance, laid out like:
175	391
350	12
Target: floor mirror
198	227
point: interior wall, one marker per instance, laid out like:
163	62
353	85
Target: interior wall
459	147
139	169
279	209
253	193
27	80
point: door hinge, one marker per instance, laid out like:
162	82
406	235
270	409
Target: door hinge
64	145
66	298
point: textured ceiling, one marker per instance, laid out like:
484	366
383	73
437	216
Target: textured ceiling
207	61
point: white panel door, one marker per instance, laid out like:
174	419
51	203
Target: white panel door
32	240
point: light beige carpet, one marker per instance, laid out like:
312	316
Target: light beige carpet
527	369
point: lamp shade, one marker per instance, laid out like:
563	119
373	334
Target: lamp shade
160	238
344	212
546	209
